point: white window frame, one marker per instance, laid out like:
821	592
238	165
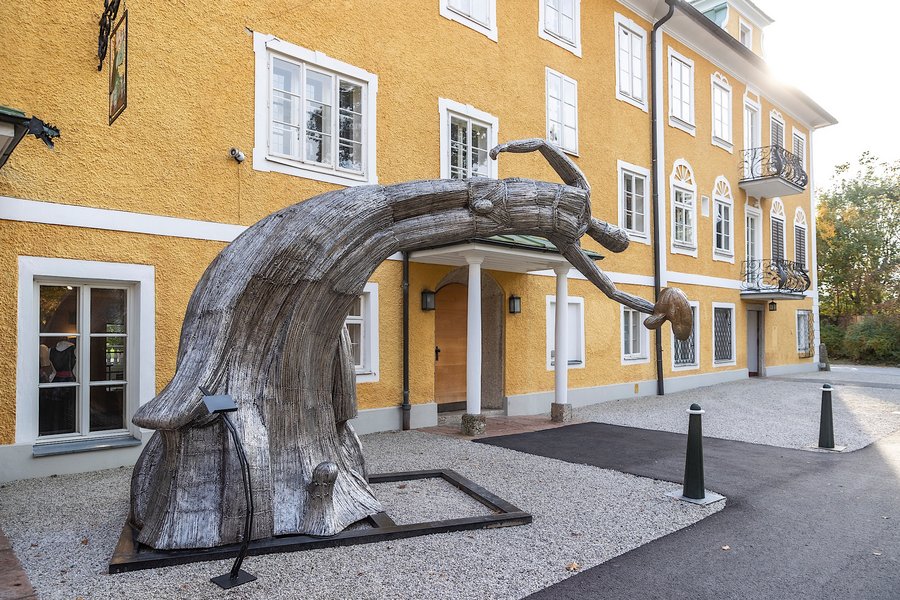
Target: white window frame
448	108
265	47
367	372
809	326
573	46
776	213
696	364
633	358
800	222
642	237
567	146
730	307
623	22
688	125
796	134
742	24
757	242
140	348
688	184
776	117
488	29
717	80
722	196
551	324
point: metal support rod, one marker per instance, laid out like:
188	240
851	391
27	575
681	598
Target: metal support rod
826	421
404	406
694	487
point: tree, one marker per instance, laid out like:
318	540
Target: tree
858	235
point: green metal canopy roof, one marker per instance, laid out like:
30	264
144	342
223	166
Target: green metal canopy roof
529	242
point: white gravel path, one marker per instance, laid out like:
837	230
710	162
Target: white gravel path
766	411
63	529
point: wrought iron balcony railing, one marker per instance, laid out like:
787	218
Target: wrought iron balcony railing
774	275
773	161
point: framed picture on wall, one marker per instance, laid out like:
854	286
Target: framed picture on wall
118	68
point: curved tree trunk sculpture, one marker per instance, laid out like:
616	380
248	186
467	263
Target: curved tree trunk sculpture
265	325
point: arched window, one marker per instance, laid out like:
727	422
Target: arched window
684	208
776	220
800	254
723	220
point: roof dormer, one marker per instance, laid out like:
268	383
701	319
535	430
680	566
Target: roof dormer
741	18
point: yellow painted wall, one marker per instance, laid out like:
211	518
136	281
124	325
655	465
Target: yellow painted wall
191	98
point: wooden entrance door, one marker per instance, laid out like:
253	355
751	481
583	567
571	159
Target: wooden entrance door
450	317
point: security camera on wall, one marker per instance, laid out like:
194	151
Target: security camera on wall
237	155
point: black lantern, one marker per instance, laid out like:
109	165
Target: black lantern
427	300
515	305
14	125
772	306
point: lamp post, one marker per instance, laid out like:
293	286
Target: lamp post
222	405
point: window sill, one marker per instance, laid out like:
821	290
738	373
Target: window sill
573	47
686	250
263	162
39	450
640	238
724	363
635	360
692	367
720	256
682	125
728	146
489	31
632	101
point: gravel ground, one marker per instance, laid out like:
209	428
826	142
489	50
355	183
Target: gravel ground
423	500
63	529
776	413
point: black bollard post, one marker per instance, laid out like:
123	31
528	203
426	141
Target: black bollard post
694	487
826	422
694	490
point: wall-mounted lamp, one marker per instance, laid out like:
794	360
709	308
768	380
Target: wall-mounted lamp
515	305
427	300
772	306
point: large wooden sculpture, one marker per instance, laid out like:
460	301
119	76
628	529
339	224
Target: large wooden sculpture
265	325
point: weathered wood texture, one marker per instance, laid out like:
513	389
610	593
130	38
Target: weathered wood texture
265	324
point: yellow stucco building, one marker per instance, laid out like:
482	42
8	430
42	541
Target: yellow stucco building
234	111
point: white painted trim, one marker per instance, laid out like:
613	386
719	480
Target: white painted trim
621	21
727	199
696	365
809	325
49	213
445	108
544	34
660	175
537	403
704	280
720	81
680	247
689	126
633	359
551	319
371	336
635	236
263	46
489	29
730	363
813	247
142	335
563	79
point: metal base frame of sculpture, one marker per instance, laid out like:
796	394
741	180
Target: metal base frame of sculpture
265	325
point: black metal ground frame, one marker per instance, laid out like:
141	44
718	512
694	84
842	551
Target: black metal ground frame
130	555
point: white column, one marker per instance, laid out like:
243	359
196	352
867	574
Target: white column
561	341
473	337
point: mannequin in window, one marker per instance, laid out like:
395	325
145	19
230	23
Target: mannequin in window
62	358
46	372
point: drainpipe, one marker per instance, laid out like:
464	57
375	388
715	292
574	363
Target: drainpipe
405	407
654	150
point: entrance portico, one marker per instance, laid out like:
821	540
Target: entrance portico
516	254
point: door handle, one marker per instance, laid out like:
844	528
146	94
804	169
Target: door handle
437	352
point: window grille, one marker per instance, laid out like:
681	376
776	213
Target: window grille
722	340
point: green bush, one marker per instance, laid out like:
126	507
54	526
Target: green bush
833	338
874	339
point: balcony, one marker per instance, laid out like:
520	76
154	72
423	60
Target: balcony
772	171
774	279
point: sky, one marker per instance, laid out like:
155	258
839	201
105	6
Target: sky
845	56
